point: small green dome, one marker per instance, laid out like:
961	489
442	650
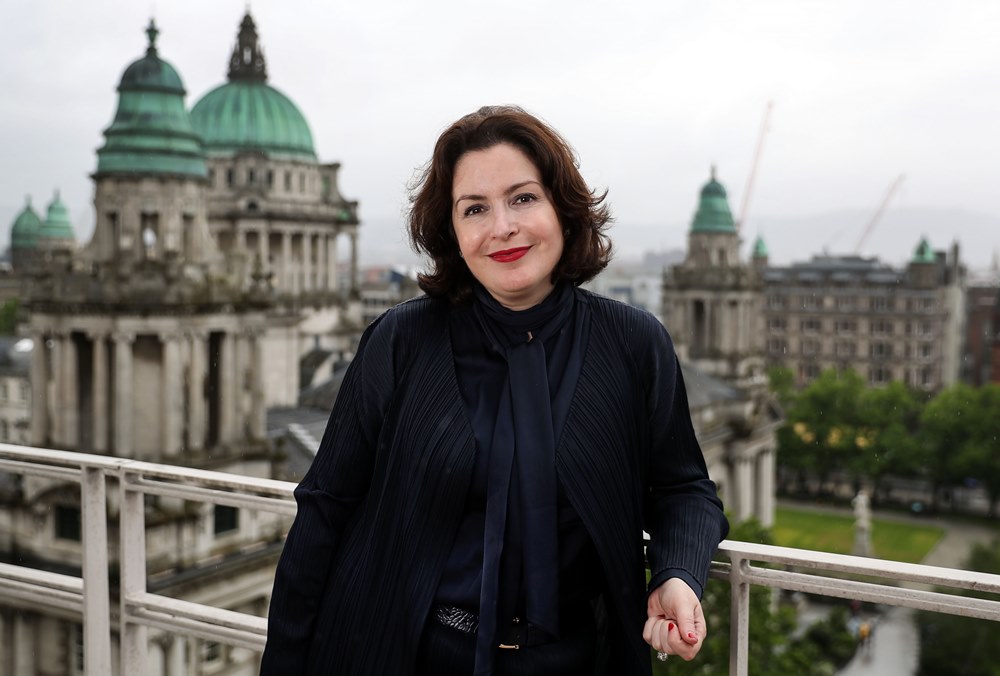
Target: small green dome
759	248
247	114
713	213
24	232
151	132
923	253
57	225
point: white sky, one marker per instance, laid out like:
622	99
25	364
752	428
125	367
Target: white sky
650	93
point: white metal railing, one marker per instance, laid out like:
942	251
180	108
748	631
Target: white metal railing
140	609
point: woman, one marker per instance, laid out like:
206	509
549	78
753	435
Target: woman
497	449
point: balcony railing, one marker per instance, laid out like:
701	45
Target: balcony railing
814	572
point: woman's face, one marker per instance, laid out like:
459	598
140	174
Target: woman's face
506	225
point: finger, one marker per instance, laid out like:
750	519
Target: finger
692	625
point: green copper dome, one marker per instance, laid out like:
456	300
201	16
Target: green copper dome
759	248
923	253
247	114
713	213
57	225
24	231
151	132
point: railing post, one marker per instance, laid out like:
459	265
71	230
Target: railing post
96	602
739	617
133	574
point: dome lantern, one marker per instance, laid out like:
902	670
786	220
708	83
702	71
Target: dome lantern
713	214
248	115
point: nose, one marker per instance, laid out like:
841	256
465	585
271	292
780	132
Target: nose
504	224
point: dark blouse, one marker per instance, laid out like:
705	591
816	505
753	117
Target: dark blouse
481	373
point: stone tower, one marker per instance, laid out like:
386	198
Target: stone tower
148	342
712	301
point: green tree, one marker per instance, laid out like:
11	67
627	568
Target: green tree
887	444
962	646
949	435
8	317
823	426
781	380
979	457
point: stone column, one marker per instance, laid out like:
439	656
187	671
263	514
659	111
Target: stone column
258	413
744	488
354	263
322	269
175	658
287	274
25	644
765	487
264	250
307	266
70	394
196	391
55	389
171	395
39	390
99	394
123	394
331	262
227	388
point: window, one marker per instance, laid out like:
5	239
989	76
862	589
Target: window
810	347
845	348
845	304
302	182
879	375
25	393
251	176
776	346
76	650
776	302
776	324
230	177
270	178
4	430
881	350
927	305
809	370
227	519
881	327
845	326
879	304
810	302
3	390
68	523
211	177
115	229
811	326
288	181
210	652
926	350
925	329
927	377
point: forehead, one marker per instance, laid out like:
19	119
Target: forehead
496	167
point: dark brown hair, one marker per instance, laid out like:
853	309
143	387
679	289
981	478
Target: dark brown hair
581	211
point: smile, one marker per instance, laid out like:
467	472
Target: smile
509	255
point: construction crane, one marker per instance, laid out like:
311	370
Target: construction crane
753	167
878	214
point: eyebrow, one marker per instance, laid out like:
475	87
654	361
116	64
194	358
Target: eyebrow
512	189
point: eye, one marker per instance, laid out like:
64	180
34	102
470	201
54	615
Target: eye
473	210
525	197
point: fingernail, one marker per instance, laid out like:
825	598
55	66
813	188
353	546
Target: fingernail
670	626
691	635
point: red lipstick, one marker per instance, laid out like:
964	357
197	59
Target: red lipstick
509	255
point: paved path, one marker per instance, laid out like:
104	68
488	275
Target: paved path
895	647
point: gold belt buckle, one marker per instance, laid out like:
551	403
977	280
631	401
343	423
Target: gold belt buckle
509	647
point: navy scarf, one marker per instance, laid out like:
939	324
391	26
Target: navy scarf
521	535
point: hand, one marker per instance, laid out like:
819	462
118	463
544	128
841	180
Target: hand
676	624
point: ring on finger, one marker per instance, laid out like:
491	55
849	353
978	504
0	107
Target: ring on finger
662	656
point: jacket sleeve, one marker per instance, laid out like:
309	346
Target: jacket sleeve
327	497
682	512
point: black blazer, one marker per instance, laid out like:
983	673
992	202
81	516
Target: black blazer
379	508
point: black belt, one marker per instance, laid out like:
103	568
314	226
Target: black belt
512	635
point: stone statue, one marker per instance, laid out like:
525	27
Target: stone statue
862	524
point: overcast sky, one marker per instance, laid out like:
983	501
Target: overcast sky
650	93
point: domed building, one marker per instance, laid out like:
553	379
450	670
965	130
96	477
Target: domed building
56	233
24	237
273	205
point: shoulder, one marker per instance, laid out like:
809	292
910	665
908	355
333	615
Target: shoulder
410	319
638	328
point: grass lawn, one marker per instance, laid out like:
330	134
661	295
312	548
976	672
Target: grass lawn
834	533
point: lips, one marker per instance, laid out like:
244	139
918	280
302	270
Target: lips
509	255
